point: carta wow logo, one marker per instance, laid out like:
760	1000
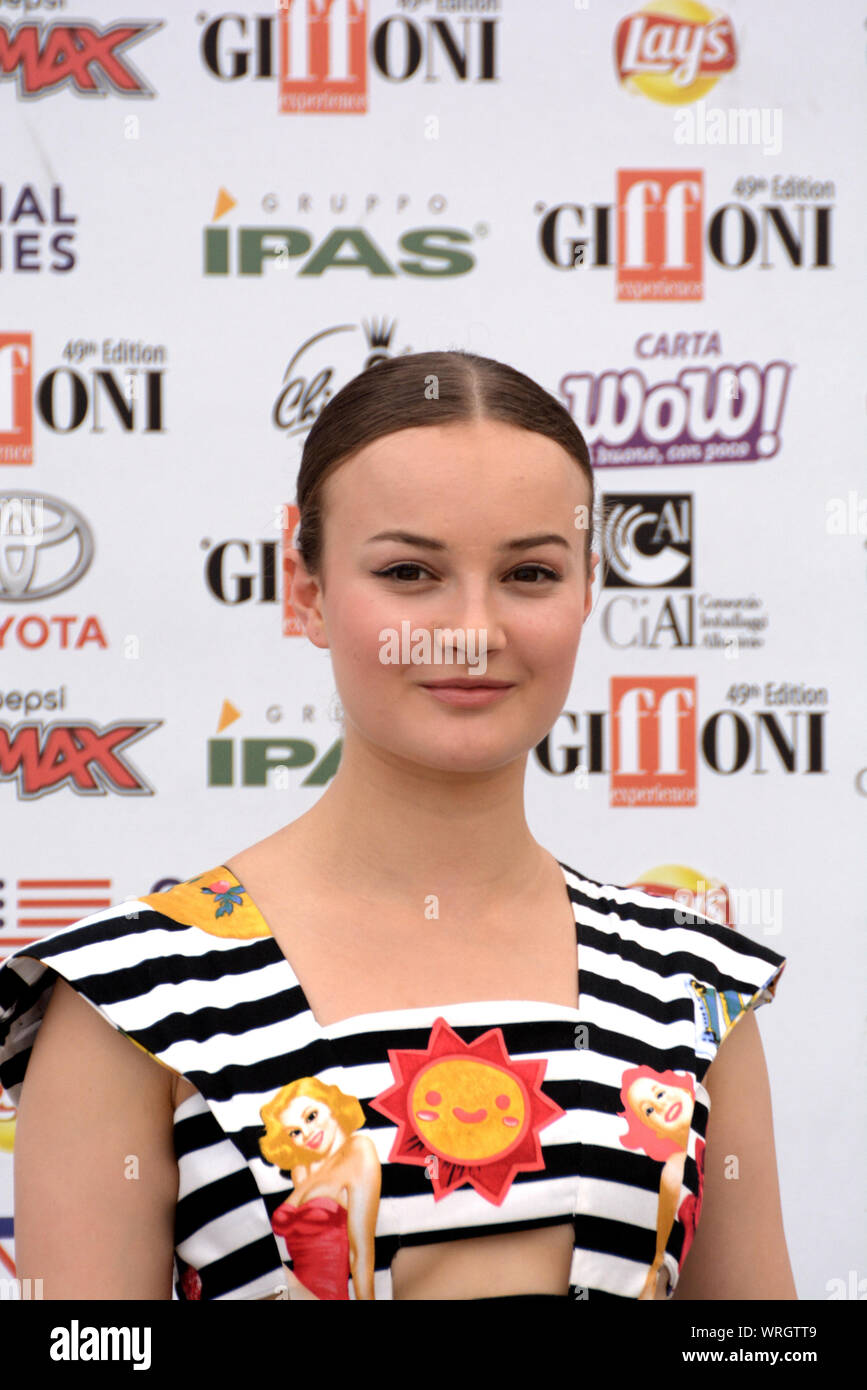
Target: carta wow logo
651	743
429	252
318	51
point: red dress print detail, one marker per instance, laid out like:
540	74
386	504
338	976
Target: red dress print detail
191	1283
318	1244
690	1207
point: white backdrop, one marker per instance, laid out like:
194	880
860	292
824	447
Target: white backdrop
664	228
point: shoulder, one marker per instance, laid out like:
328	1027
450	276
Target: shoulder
721	971
361	1152
116	961
671	926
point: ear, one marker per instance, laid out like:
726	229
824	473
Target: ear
305	596
588	603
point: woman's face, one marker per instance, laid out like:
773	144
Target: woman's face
471	495
666	1110
310	1124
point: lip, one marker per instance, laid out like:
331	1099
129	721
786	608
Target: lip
466	695
673	1111
467	683
315	1139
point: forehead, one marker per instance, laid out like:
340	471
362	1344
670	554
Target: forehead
493	463
298	1104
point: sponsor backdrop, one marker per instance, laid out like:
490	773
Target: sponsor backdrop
211	220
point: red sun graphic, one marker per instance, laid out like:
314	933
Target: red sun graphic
469	1107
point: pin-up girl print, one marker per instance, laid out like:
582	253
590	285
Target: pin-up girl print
329	1218
658	1111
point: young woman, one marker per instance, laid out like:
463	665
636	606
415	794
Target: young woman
528	1046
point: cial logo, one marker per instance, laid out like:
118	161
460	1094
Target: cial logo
723	411
321	57
44	57
648	548
657	243
674	51
647	540
426	251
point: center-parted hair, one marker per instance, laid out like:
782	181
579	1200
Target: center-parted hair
424	388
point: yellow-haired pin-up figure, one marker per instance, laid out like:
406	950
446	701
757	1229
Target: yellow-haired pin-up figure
659	1108
329	1219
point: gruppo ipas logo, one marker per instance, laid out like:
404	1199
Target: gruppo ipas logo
270	246
673	51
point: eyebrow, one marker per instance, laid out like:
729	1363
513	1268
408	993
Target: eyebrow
521	543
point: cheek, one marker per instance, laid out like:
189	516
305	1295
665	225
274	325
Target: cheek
551	642
355	639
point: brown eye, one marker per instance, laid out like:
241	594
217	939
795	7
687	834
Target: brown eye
537	569
392	571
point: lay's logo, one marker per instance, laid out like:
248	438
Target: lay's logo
674	51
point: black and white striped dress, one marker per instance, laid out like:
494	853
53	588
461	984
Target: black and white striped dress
475	1118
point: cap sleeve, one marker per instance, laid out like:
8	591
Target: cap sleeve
728	975
91	956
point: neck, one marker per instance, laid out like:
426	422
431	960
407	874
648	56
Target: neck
397	830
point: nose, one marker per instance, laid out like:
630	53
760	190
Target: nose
473	608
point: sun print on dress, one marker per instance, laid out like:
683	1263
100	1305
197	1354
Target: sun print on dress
467	1113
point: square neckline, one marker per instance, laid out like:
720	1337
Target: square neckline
563	1012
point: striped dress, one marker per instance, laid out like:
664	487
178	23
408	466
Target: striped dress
325	1150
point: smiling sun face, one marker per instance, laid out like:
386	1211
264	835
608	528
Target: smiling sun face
469	1111
469	1107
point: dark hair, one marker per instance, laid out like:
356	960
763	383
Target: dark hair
399	393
